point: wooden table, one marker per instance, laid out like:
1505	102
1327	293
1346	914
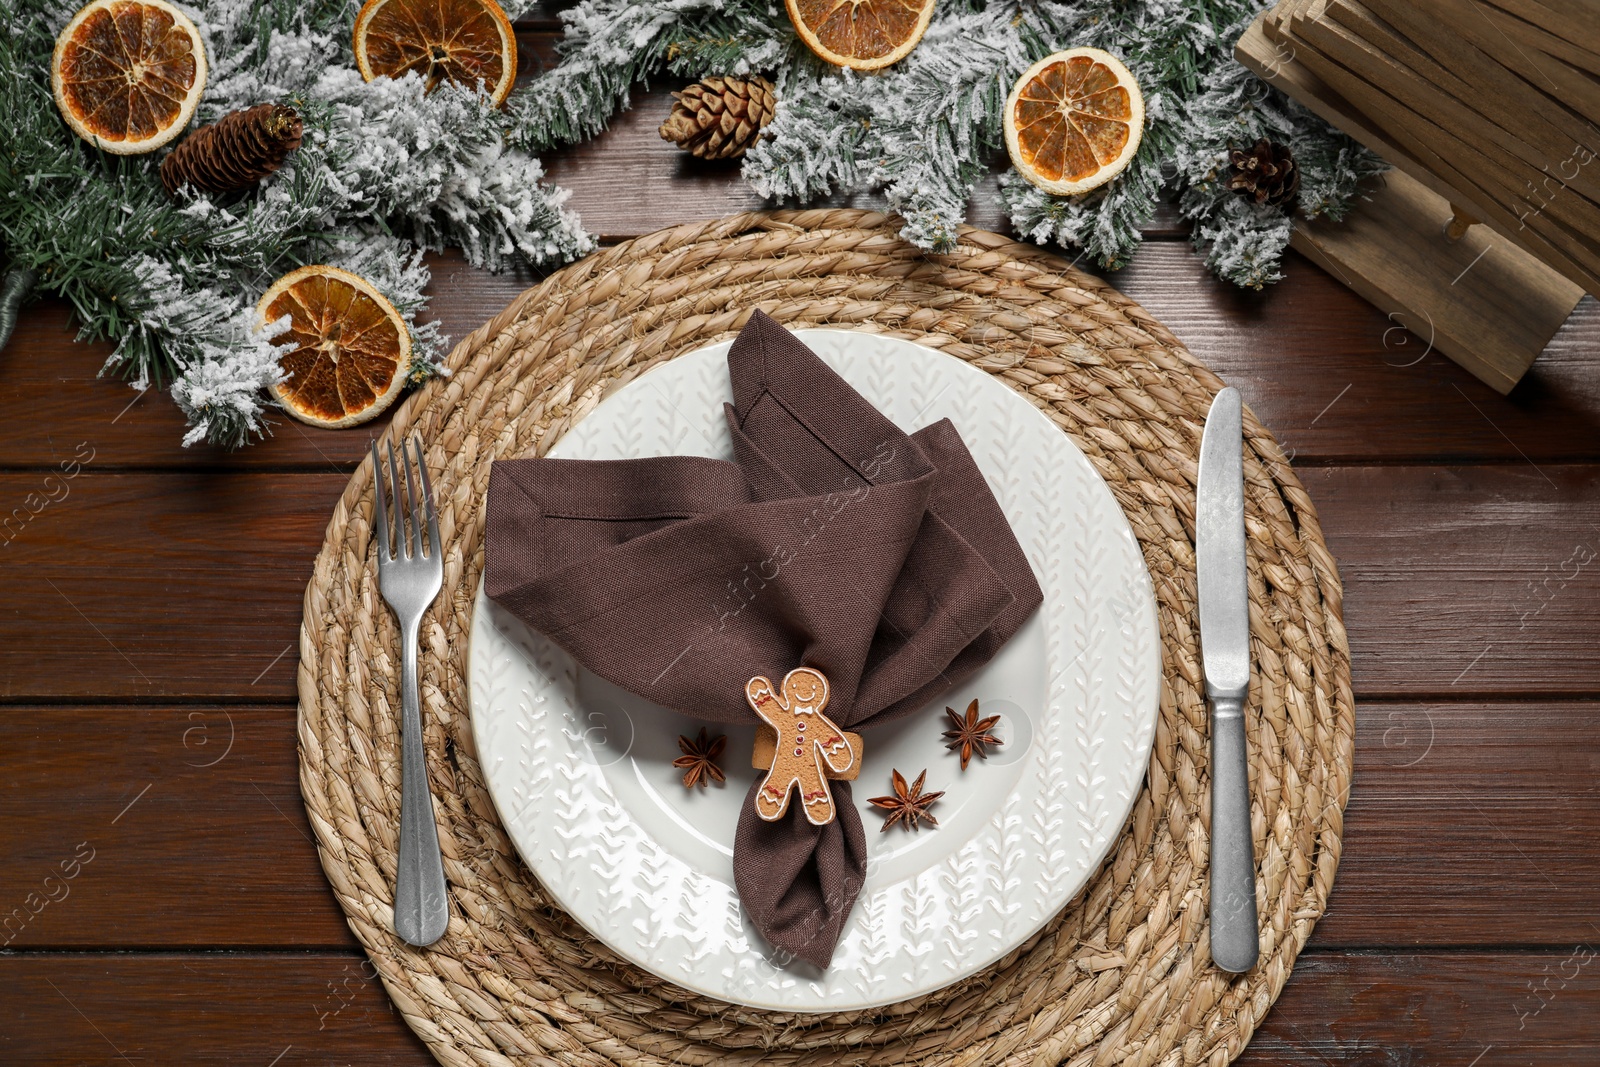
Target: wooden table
161	899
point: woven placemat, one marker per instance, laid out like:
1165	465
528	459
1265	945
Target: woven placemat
1124	973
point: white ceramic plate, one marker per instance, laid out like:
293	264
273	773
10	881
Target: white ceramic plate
581	773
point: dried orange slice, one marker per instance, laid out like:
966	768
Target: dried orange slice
127	74
863	34
351	347
1074	121
461	41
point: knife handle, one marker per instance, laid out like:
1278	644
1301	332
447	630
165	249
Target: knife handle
1235	936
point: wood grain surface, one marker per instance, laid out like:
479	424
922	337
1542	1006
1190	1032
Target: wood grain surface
162	902
150	586
1443	845
1535	1009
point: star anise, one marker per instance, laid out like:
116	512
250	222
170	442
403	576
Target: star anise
971	734
699	759
907	806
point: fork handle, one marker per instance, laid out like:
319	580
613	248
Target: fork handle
421	910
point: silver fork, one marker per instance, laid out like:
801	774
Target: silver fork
410	574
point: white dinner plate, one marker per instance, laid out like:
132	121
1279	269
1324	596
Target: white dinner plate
581	771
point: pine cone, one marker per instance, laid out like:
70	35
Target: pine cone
235	152
718	118
1266	173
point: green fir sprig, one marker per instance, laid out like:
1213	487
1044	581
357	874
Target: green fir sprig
923	132
385	171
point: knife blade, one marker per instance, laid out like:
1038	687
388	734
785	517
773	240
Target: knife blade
1225	655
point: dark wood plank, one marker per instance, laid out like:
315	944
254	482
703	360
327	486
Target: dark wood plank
200	1011
1460	814
154	587
1533	1009
158	586
158	826
1467	1009
1338	380
1467	580
1327	372
1470	591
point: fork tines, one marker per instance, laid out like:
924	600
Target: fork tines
406	538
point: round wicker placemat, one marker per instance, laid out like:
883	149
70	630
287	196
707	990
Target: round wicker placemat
1124	973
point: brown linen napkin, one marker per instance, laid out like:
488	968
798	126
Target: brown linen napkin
834	540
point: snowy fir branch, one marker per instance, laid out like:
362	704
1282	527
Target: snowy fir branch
609	45
923	132
385	170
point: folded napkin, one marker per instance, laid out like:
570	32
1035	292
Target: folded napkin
833	540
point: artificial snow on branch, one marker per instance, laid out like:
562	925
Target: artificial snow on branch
924	131
611	44
384	170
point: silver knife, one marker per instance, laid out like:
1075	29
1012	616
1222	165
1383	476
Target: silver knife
1225	653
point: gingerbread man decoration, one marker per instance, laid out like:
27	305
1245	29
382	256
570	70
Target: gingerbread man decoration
810	747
